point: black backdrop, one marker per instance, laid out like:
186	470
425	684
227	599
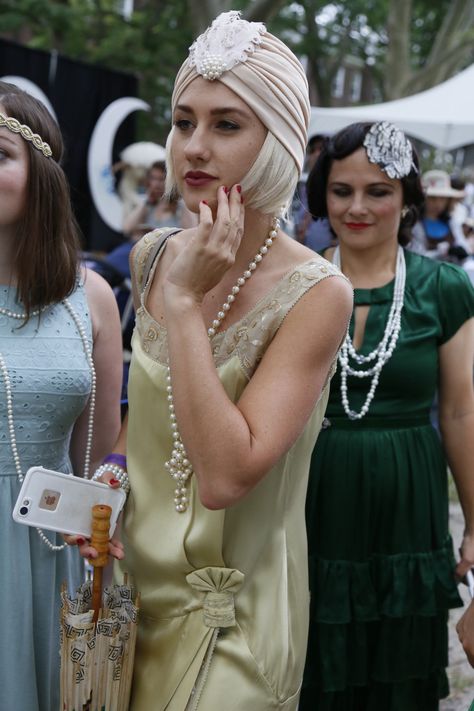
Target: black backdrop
79	93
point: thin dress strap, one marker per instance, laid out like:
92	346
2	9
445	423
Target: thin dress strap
146	253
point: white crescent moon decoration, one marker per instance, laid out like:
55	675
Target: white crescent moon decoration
99	159
33	89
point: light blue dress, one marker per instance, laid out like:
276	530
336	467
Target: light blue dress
51	382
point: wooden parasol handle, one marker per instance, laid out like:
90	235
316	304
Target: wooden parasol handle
100	541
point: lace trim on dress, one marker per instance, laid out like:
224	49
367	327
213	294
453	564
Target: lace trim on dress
248	338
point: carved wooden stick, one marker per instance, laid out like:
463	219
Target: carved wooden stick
100	541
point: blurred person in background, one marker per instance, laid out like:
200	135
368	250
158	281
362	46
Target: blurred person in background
315	234
432	235
156	209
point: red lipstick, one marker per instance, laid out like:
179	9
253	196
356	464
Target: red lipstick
357	225
196	178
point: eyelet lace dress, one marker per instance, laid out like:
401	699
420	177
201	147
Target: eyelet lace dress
51	382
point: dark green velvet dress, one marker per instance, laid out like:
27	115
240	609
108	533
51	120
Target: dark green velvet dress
381	558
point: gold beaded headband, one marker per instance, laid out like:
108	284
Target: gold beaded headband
16	127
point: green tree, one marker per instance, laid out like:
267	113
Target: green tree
152	43
426	46
406	45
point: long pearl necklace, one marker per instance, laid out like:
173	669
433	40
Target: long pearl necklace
9	402
382	353
178	465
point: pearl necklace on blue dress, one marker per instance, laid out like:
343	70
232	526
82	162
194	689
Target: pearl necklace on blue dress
382	353
9	401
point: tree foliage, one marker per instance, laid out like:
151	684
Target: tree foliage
406	45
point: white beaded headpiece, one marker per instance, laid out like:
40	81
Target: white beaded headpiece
388	147
25	131
224	44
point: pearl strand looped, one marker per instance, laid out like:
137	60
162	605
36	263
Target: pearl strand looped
383	351
18	316
9	403
178	465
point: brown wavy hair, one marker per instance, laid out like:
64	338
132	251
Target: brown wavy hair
47	244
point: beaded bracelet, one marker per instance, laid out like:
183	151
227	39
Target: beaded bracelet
119	473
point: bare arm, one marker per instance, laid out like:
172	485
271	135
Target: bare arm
465	630
107	357
456	411
232	446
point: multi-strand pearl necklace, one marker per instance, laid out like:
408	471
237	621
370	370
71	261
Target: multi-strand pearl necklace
9	402
178	465
382	353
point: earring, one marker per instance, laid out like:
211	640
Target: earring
405	211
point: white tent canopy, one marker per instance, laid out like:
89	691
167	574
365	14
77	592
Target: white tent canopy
442	116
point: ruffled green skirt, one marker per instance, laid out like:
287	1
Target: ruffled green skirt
381	570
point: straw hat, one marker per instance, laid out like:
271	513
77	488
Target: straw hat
436	183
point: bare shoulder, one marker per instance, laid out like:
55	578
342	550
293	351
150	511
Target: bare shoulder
95	286
327	304
293	250
296	254
333	292
101	300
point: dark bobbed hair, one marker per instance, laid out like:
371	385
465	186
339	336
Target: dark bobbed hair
342	145
158	165
47	243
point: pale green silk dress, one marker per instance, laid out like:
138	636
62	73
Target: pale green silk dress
224	594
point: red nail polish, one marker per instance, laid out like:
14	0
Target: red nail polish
81	541
114	481
226	190
204	202
238	188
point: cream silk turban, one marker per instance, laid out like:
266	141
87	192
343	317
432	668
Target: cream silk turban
260	69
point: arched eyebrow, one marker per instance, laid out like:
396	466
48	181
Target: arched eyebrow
222	110
377	184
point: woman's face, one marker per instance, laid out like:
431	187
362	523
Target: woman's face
435	206
216	138
364	204
156	184
13	177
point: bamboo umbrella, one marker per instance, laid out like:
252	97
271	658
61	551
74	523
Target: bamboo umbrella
97	635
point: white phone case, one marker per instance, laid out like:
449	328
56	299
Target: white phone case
63	502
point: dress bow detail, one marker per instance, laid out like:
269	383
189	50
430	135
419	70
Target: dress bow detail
219	586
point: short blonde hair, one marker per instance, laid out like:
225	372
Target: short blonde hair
269	185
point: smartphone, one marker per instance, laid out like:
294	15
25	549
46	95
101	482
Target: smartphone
63	502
